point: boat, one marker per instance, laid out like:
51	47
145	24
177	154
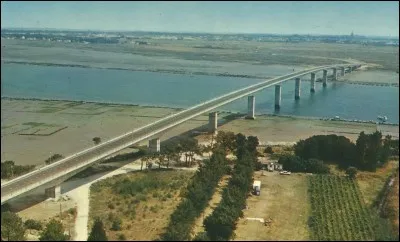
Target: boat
382	118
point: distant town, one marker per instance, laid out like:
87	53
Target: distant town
108	37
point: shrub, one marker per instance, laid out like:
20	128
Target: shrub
351	172
116	224
154	209
33	224
111	206
121	237
53	159
268	150
96	140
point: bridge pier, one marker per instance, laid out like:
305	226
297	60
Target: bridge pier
154	145
297	88
350	69
312	88
334	74
212	122
324	77
341	71
53	192
251	107
278	95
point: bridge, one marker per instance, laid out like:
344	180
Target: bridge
51	176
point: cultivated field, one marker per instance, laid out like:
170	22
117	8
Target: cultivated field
338	210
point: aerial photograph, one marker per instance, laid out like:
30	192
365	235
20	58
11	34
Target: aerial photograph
199	121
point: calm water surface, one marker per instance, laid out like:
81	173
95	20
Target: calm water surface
161	89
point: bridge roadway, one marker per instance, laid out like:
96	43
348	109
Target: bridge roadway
85	158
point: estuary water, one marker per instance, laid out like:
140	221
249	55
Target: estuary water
175	90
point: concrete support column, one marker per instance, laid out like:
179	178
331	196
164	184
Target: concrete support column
53	192
324	77
334	74
312	88
278	96
341	71
154	145
350	69
251	107
297	88
213	122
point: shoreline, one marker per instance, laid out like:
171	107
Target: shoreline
180	109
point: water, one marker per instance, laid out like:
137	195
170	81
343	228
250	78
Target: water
161	89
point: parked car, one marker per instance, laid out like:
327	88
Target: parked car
285	172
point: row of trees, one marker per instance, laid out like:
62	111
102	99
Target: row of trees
369	151
222	222
13	229
199	192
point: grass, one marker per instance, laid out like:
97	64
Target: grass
143	201
371	183
284	199
391	206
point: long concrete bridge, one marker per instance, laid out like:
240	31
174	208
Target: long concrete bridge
54	174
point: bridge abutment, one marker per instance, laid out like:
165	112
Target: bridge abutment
154	145
213	122
324	77
297	88
312	88
278	96
53	192
251	100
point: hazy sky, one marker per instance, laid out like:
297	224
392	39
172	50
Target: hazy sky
364	18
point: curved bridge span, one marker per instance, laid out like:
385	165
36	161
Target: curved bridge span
61	170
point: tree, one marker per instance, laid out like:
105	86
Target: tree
268	150
385	153
98	233
226	141
54	231
12	227
189	146
351	172
96	140
252	143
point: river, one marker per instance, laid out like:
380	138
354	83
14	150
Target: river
177	90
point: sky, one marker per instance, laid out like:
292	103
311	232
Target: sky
372	18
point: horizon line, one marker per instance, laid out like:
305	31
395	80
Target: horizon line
186	32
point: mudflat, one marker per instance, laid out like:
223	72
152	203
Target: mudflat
34	130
